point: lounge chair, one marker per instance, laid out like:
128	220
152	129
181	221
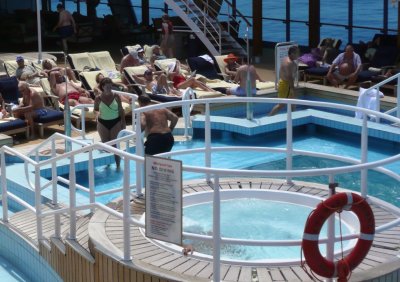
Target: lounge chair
126	49
204	65
103	61
11	126
80	62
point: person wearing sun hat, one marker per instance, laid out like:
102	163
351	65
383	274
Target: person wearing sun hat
231	65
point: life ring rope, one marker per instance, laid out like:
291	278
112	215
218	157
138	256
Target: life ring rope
310	245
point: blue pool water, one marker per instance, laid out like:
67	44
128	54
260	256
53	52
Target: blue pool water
9	273
328	141
254	219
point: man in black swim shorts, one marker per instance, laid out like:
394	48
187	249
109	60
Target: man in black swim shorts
155	123
66	26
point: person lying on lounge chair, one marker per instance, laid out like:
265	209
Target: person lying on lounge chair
31	106
232	65
182	82
157	85
27	73
76	94
48	68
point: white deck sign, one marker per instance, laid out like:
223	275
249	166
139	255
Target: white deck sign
163	199
281	51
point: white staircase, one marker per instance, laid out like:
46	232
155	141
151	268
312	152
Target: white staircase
203	22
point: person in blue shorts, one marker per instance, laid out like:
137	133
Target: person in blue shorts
66	26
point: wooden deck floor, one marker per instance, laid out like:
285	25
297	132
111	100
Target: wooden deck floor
385	247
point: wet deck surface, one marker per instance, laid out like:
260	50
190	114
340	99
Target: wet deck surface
385	247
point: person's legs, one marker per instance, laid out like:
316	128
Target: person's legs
332	79
350	81
276	109
193	83
85	100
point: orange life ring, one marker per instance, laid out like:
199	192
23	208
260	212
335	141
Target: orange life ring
312	254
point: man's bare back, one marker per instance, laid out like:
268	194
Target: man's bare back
287	70
156	121
241	76
65	19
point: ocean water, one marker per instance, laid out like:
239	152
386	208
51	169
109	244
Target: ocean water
366	13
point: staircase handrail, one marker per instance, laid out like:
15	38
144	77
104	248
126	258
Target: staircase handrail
206	29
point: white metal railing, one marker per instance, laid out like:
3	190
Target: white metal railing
87	152
378	104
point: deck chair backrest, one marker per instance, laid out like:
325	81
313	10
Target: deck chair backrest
103	60
163	64
80	61
11	66
221	63
9	89
39	66
88	78
130	71
385	56
126	49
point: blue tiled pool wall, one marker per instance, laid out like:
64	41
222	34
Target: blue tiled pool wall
239	110
303	129
19	253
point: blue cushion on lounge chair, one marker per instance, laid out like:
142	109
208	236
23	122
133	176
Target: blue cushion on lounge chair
12	124
203	67
52	115
317	71
366	75
9	89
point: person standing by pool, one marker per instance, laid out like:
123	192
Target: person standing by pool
66	26
155	124
110	114
287	75
167	36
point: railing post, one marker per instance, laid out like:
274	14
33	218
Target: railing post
92	196
330	245
378	104
398	96
72	199
216	230
289	141
207	138
38	204
126	211
364	155
229	19
4	187
139	152
57	218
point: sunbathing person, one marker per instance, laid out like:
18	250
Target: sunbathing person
182	82
130	60
232	65
244	72
156	54
76	94
27	73
157	85
114	86
48	68
31	106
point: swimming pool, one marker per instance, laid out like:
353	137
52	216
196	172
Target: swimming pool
321	140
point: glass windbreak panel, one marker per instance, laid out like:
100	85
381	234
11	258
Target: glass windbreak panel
393	10
299	33
274	9
334	12
369	14
274	31
299	10
336	32
365	35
